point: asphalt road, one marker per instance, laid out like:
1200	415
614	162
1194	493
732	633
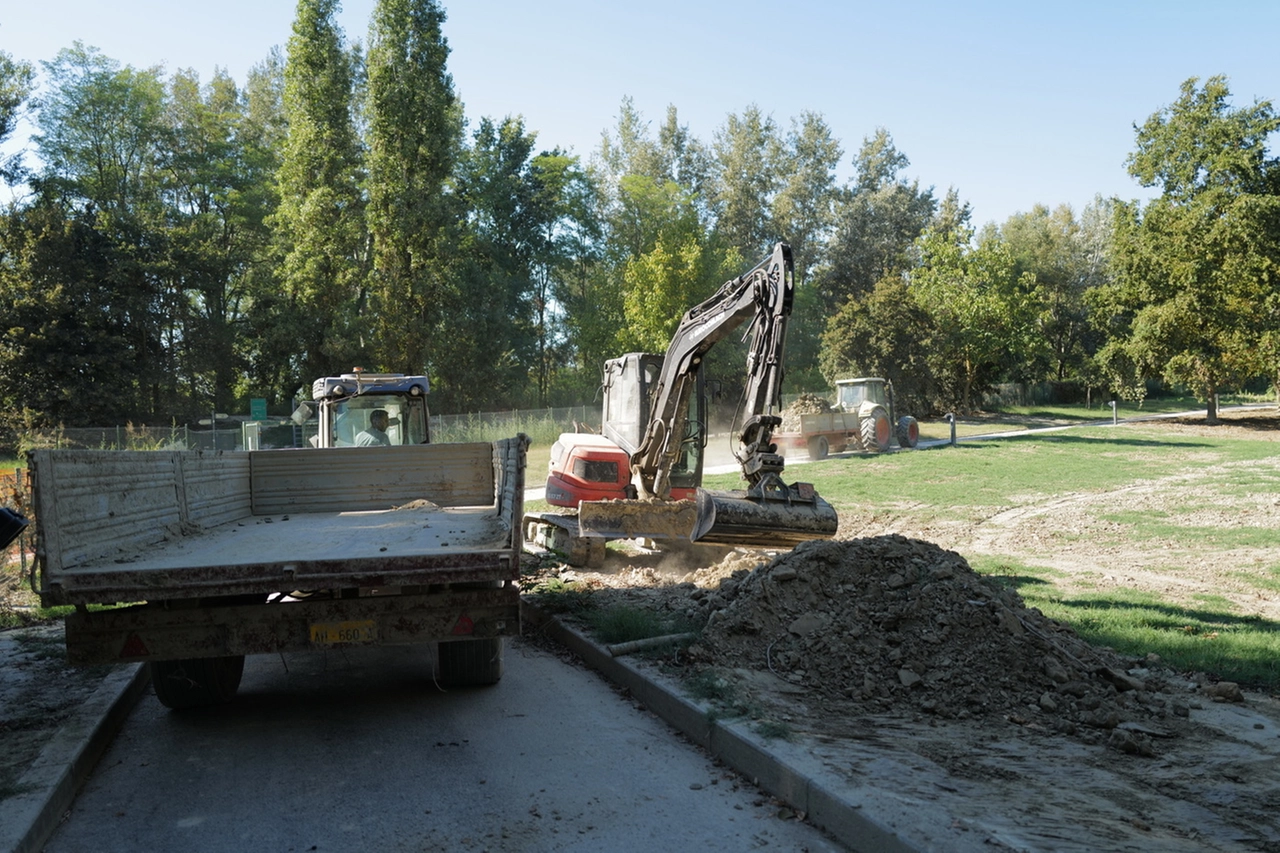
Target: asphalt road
358	750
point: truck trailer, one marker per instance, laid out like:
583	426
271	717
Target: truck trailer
203	557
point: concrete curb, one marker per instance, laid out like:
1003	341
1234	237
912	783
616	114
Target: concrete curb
731	744
28	820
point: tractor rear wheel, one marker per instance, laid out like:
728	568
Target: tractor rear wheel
908	431
876	431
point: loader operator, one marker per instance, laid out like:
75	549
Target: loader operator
376	432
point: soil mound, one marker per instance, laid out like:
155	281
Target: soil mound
805	404
891	623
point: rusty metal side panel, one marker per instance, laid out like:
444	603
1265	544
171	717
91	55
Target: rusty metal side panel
343	479
128	584
154	633
91	504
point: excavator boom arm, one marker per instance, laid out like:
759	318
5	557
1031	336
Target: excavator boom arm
763	295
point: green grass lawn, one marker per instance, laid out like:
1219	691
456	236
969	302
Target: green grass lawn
974	480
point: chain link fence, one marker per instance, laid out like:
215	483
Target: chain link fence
542	425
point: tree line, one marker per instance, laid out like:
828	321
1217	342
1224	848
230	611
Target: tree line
184	245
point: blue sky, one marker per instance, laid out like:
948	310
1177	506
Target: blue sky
1011	103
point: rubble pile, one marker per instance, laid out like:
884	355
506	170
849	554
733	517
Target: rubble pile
805	404
891	623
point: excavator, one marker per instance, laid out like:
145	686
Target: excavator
641	476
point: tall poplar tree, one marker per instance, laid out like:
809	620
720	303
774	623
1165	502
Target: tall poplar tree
748	151
320	222
414	122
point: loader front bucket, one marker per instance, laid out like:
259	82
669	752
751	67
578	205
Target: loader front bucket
764	520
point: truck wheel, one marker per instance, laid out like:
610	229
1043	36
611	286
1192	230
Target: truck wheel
196	682
876	430
818	447
465	663
908	431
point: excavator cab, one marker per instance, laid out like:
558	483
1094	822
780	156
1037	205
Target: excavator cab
628	389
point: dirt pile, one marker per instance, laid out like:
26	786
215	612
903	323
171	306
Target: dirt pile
805	404
894	624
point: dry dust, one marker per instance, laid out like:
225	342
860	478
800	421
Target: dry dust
884	643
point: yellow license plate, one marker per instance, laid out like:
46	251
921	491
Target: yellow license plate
334	633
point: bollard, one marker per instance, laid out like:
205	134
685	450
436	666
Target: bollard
1115	419
951	419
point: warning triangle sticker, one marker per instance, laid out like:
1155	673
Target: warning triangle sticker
135	648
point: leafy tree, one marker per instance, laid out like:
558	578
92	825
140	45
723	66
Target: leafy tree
804	208
100	132
631	149
492	314
99	126
1196	266
16	79
877	220
804	215
67	344
884	333
981	308
564	200
1067	257
319	225
414	130
680	271
748	175
212	185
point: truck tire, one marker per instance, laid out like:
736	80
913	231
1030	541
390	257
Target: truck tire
876	431
196	682
818	447
466	663
908	431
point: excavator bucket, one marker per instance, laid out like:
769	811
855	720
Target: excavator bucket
764	521
638	519
772	517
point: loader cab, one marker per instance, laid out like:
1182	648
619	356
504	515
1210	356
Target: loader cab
628	392
373	404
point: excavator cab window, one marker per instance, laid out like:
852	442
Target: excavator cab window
595	471
628	390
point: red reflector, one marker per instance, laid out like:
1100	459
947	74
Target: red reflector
134	648
464	626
